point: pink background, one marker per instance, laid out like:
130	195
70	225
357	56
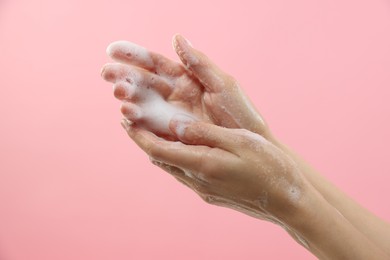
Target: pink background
72	184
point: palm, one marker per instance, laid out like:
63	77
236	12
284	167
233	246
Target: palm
188	94
221	106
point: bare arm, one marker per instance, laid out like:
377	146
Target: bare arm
224	170
374	228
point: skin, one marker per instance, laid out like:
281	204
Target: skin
245	168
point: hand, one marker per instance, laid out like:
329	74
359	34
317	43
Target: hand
234	168
201	89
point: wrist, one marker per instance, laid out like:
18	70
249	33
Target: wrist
298	210
323	230
305	210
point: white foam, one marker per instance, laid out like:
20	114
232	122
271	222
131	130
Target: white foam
180	129
128	88
135	52
134	76
182	122
157	113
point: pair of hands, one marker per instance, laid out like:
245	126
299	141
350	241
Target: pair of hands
194	122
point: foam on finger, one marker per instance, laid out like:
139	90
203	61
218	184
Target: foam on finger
149	109
131	111
158	113
124	91
152	112
124	50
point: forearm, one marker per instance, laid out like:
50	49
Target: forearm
374	228
328	234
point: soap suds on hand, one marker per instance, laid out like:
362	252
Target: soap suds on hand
137	54
151	111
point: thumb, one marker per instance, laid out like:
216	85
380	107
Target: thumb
193	132
209	74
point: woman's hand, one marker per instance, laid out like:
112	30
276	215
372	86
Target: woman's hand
241	170
234	168
199	88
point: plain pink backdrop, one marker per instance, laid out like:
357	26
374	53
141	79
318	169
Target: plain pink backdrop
74	186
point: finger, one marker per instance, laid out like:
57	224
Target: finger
184	177
124	91
198	160
194	132
131	111
168	168
177	173
116	72
209	74
131	53
113	72
182	181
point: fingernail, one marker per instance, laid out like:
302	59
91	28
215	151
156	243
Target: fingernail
188	42
180	122
183	48
175	42
182	39
126	124
180	42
